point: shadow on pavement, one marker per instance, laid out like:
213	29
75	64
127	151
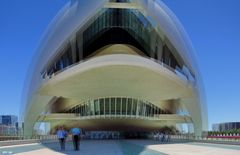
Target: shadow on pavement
130	148
89	147
93	147
55	146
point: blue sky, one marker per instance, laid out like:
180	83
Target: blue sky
213	27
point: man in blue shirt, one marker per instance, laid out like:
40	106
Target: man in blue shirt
76	132
61	134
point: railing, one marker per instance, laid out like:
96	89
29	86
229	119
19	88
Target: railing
82	61
20	140
4	138
235	140
155	117
224	137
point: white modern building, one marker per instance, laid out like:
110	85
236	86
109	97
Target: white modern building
226	126
114	65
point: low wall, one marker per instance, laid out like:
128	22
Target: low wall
213	141
19	142
219	142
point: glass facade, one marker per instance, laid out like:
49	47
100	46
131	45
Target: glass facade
8	120
117	106
64	60
113	26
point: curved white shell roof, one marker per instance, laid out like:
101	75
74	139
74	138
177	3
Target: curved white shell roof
75	13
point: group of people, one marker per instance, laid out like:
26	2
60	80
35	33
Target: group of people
62	135
162	137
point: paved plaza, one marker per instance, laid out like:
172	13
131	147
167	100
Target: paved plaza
124	147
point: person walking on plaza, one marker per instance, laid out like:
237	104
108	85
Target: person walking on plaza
76	132
61	134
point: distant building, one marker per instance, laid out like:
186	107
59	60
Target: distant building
226	126
8	130
9	120
9	125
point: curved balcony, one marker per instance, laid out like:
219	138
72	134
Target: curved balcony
117	75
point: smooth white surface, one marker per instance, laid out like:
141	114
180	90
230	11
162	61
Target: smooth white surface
70	19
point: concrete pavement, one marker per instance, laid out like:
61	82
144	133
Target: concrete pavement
124	147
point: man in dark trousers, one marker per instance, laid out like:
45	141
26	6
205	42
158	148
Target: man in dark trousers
76	132
62	135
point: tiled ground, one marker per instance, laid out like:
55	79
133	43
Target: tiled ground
124	147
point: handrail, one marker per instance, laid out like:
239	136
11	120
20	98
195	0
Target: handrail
82	61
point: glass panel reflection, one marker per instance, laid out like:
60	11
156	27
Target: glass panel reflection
117	106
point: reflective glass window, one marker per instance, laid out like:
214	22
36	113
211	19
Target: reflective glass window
96	106
101	106
113	106
129	106
107	106
118	104
124	106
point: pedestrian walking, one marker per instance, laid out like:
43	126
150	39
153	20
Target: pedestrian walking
61	134
76	133
166	137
